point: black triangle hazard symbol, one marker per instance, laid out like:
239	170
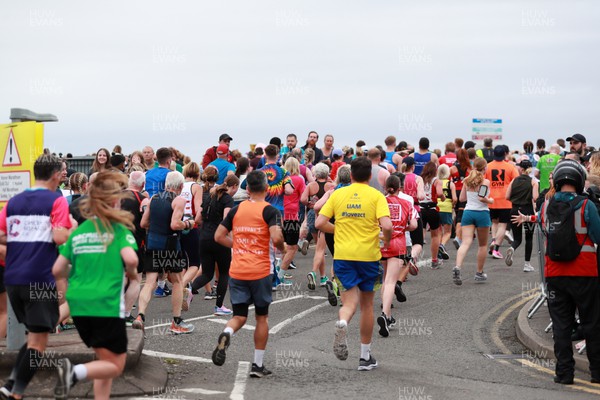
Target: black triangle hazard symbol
11	155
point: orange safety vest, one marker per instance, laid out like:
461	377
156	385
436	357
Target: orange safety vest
585	264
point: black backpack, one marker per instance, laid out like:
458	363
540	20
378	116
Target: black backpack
559	223
488	154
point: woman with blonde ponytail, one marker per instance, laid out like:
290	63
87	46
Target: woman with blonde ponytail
102	252
476	216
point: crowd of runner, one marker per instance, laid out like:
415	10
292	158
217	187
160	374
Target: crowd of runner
233	222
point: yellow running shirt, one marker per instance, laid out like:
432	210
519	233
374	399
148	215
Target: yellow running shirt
357	209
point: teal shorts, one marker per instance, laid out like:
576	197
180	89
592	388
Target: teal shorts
446	218
481	219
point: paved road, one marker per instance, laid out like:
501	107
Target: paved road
437	351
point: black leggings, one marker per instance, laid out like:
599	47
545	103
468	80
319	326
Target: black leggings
210	253
517	230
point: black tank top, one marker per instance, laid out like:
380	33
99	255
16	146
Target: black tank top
161	212
321	190
522	192
315	197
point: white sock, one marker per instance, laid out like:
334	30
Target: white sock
258	357
80	372
342	323
365	351
161	284
229	330
281	274
127	314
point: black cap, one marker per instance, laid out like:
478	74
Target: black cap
578	137
499	152
225	137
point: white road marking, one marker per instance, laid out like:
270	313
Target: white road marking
288	321
199	391
240	381
153	353
186	320
224	322
300	296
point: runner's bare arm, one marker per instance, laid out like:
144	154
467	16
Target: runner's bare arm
177	224
322	223
2	238
145	222
420	188
222	237
130	259
60	269
319	204
386	228
276	237
305	194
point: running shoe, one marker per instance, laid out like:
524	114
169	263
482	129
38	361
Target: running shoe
437	264
330	286
167	290
276	283
413	269
129	320
382	321
324	280
508	237
259	372
456	276
312	281
209	295
285	283
292	265
492	246
480	277
187	299
287	275
367	365
218	355
442	253
222	311
6	390
340	342
138	323
456	242
400	296
509	256
564	380
181	328
528	267
160	292
391	322
66	379
304	247
497	255
280	273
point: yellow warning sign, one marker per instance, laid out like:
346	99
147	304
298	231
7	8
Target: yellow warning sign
21	144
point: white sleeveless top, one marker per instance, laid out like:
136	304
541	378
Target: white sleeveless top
474	203
186	193
428	187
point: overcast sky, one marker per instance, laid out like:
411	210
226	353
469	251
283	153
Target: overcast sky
181	73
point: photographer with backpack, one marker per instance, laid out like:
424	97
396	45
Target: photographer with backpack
572	227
